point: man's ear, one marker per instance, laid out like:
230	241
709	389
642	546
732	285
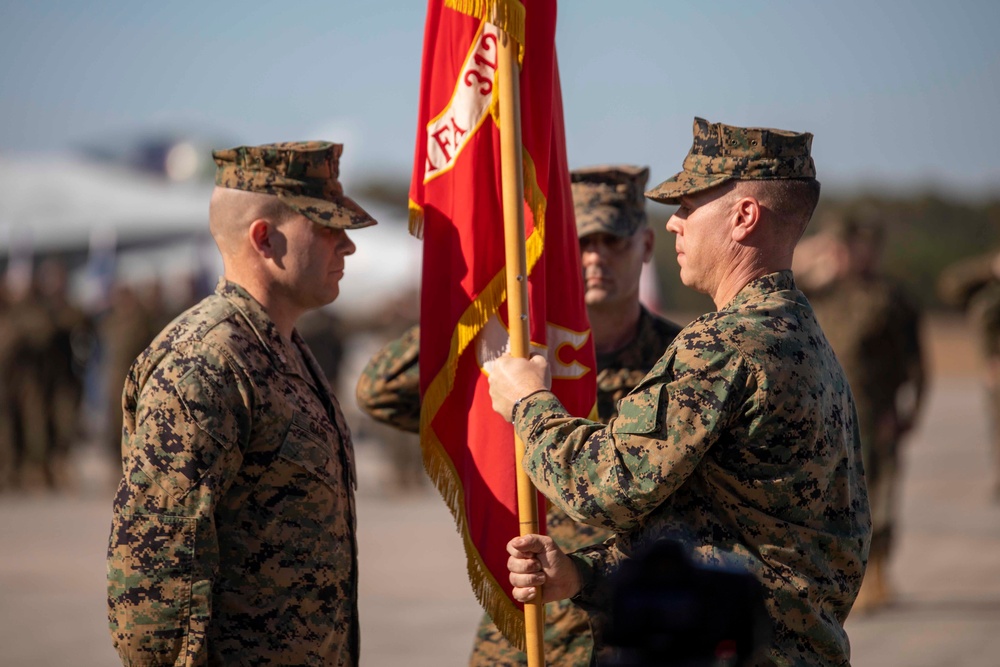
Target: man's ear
648	240
747	216
261	238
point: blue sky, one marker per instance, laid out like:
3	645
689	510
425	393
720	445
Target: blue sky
898	93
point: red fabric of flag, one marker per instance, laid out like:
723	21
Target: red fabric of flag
455	199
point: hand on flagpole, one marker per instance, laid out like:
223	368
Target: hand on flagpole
536	560
512	378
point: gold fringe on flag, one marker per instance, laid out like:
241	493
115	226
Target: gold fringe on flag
416	220
508	15
507	617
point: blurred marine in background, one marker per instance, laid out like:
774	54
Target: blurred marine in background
973	284
615	242
874	328
45	343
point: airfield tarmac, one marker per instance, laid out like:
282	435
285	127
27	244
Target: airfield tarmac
416	605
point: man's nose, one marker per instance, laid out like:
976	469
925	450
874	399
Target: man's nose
347	247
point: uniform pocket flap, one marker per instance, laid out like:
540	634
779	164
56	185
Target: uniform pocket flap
204	406
639	413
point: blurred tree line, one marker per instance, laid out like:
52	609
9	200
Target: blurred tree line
925	233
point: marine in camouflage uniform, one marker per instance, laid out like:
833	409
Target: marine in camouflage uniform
63	372
615	241
25	343
973	284
873	326
742	442
233	535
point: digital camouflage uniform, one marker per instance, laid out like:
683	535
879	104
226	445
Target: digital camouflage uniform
874	328
388	390
233	535
741	443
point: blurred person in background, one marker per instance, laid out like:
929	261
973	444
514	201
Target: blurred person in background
126	329
65	361
615	243
27	334
396	320
6	435
873	326
973	284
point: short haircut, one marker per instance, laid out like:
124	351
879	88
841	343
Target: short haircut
791	200
231	211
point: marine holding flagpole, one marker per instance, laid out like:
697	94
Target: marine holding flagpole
742	443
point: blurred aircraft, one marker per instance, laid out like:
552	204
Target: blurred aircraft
140	213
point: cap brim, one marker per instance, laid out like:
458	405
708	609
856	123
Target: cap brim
596	221
348	214
684	183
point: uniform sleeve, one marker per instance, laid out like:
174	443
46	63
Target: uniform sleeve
389	387
597	565
614	475
185	430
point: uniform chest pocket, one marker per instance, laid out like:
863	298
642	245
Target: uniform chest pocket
308	450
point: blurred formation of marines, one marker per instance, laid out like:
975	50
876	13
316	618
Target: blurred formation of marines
873	326
233	535
45	343
615	242
742	442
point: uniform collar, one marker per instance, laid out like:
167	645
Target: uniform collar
780	281
265	329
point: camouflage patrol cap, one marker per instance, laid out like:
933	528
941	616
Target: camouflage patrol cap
303	174
723	153
609	199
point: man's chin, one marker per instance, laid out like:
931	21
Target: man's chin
595	297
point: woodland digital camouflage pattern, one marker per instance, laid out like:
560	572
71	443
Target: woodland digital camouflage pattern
609	199
723	153
388	390
232	541
740	443
303	174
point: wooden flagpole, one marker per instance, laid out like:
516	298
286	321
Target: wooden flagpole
517	301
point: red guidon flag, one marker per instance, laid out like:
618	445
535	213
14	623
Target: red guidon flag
455	199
